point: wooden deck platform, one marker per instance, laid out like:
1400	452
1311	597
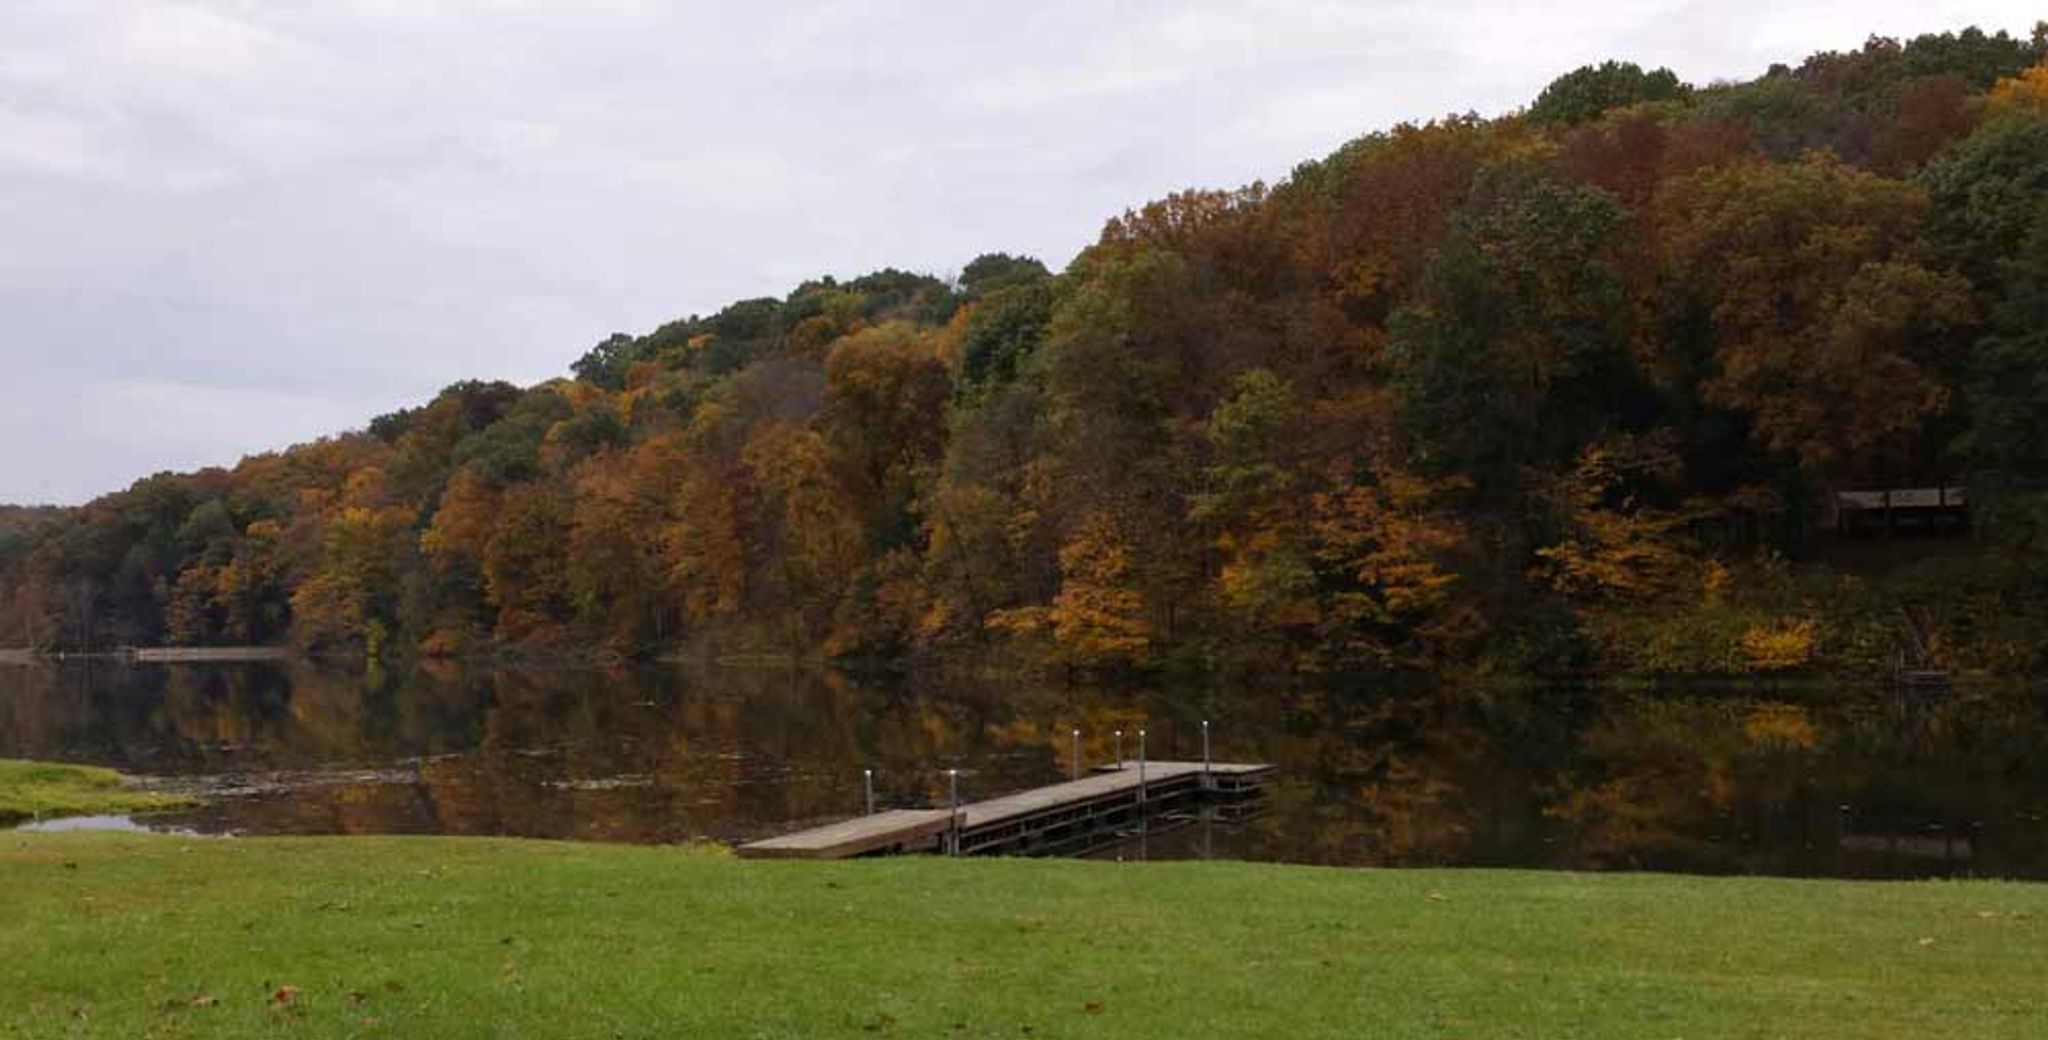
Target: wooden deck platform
898	830
1037	820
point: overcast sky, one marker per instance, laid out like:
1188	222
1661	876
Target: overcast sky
228	226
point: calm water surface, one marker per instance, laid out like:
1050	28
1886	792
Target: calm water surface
1802	782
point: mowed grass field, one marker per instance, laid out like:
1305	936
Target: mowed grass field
151	936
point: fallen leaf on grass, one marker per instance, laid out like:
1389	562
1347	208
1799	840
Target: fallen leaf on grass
1093	1007
203	1001
1438	897
286	996
1927	941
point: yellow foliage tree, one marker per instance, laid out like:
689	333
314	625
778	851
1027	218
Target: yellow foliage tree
703	558
525	563
1383	545
189	613
351	596
613	546
462	524
2026	93
1617	548
1097	616
814	537
1780	645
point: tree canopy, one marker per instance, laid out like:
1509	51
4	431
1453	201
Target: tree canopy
1465	390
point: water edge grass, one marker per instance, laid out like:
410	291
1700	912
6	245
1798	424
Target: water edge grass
120	935
44	790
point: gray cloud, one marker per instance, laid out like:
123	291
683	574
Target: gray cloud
232	225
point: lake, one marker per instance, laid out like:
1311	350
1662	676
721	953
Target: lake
1808	781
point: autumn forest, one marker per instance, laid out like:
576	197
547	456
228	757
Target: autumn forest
1566	391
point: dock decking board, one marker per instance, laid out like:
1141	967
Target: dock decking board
1010	819
896	828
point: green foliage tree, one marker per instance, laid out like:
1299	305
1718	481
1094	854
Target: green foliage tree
1986	196
2007	393
606	364
1524	320
1003	331
1588	92
994	272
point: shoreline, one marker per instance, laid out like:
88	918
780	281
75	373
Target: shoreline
32	791
1616	681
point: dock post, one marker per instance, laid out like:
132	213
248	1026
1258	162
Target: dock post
1077	754
953	803
1119	749
1208	781
1141	790
1141	768
867	783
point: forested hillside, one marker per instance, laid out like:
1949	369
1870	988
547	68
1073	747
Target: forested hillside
19	524
1561	390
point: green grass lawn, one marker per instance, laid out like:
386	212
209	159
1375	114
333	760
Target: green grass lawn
43	789
136	936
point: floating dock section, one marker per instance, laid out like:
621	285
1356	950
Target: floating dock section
1042	821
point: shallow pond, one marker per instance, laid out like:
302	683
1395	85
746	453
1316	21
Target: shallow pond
1803	781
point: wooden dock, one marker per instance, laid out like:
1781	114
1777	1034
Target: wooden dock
206	654
151	655
1038	821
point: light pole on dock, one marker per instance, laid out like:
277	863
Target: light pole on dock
1142	826
1077	754
867	783
953	803
1141	767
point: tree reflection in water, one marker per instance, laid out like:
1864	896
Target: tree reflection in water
1805	781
